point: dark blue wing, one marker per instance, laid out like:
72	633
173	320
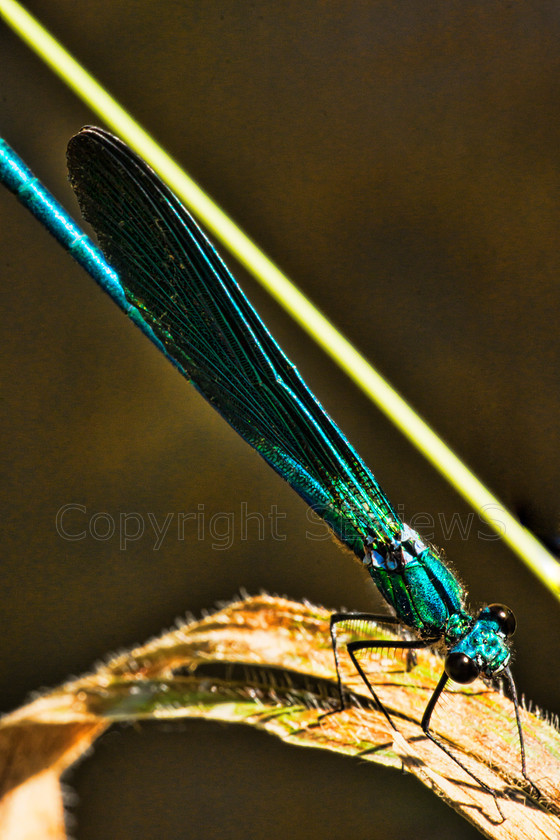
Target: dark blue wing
172	273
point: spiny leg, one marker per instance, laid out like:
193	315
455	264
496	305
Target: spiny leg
509	677
340	618
344	617
425	724
376	644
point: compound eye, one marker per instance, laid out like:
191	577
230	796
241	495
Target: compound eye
505	618
461	668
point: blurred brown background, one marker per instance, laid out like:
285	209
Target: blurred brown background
400	161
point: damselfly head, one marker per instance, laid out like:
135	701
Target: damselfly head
484	649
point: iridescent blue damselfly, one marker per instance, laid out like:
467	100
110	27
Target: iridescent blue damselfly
163	272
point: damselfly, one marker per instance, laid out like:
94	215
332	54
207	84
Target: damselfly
174	286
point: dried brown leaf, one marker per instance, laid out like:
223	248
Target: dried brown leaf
267	662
